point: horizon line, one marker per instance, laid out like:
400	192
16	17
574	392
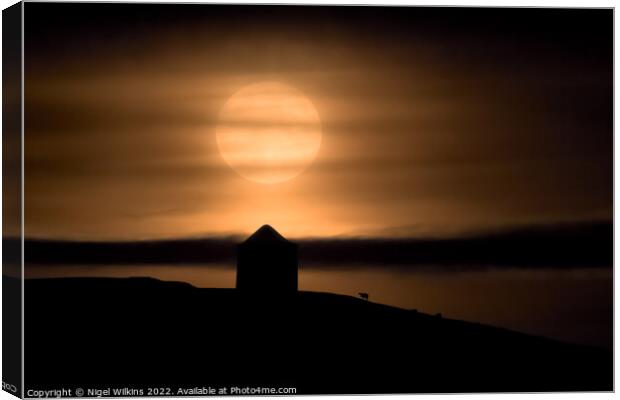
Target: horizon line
457	234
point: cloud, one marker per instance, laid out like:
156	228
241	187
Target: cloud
555	246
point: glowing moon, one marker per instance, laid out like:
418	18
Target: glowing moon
268	132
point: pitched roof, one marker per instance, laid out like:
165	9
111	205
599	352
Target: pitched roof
266	234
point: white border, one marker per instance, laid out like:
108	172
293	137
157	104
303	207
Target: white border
479	3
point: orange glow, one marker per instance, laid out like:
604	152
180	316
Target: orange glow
268	132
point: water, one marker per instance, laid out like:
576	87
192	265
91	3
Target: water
574	305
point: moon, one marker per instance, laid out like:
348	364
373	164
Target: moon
268	132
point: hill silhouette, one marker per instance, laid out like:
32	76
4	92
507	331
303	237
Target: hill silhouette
143	332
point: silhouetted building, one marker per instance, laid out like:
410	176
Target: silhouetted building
267	262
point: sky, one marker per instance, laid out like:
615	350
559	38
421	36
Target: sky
431	121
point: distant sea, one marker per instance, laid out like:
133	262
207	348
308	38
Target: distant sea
570	304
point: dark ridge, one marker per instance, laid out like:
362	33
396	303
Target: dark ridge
138	331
